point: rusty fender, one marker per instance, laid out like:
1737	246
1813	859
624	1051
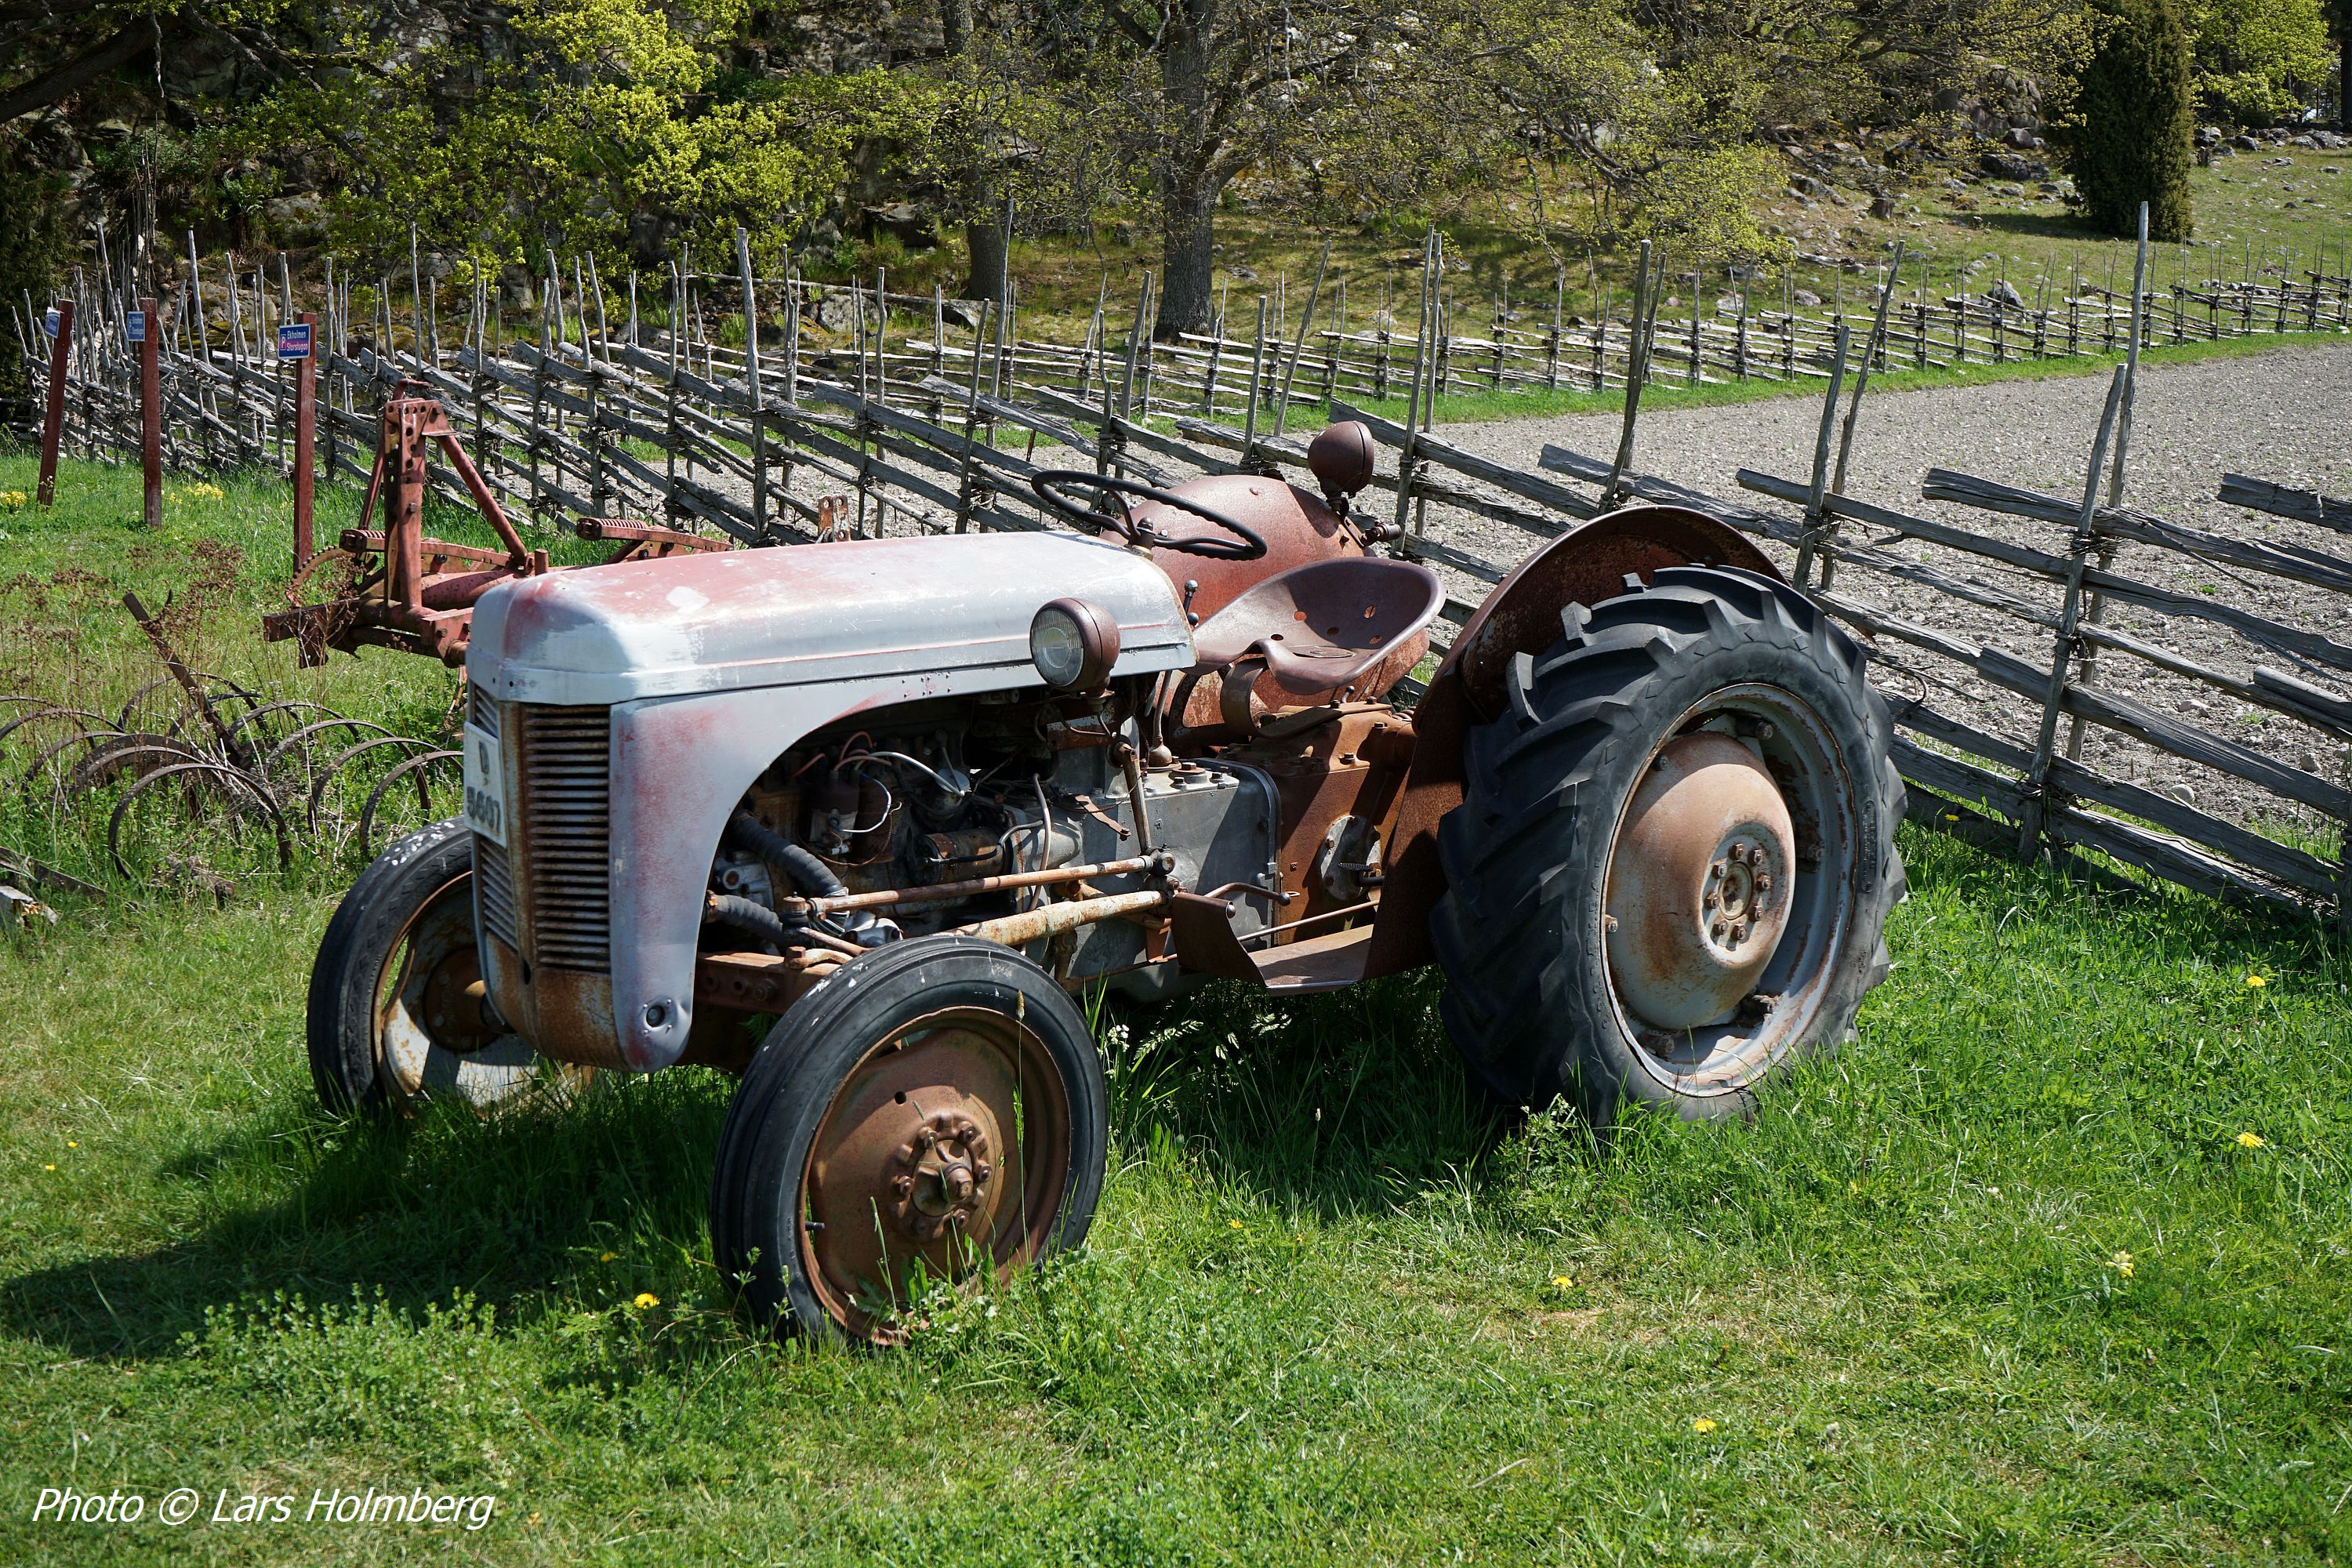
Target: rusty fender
1052	920
1583	566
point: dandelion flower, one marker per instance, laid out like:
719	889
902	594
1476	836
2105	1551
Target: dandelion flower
48	1167
2251	1140
1562	1282
2122	1262
647	1301
71	1144
1951	817
1701	1424
2255	983
607	1257
1234	1223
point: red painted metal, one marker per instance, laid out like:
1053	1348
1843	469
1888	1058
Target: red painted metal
150	410
53	420
404	594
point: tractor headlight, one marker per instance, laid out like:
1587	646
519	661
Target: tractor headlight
1073	644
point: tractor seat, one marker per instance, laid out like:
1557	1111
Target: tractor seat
1320	626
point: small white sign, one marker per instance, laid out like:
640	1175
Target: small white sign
485	787
50	321
134	326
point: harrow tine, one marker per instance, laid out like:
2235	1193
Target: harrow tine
256	791
416	765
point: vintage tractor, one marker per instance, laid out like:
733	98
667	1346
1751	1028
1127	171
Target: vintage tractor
854	820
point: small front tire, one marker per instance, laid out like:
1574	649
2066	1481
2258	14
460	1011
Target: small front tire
932	1112
397	1013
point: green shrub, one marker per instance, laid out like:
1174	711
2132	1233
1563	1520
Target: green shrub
2126	131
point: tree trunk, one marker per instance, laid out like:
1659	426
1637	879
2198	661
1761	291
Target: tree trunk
986	239
1188	251
1189	182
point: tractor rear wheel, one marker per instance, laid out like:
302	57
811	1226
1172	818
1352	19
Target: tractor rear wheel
931	1113
397	1013
1675	851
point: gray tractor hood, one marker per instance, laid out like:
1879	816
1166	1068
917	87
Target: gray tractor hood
733	620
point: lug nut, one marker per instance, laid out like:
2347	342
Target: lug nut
902	1185
1763	882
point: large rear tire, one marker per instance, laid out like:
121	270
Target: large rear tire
1675	856
397	1014
931	1111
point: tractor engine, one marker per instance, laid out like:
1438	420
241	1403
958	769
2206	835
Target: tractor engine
915	809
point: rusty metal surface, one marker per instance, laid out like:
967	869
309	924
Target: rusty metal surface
1353	766
399	594
760	982
1584	565
1699	883
1052	920
1294	523
938	892
949	1143
1320	626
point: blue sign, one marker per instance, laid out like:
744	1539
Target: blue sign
294	340
134	326
49	321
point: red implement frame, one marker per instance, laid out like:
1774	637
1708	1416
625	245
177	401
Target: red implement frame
415	593
404	594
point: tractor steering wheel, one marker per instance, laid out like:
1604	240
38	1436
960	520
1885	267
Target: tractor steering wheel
1050	484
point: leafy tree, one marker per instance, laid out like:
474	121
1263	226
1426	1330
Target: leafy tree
2255	58
1196	93
2127	127
579	123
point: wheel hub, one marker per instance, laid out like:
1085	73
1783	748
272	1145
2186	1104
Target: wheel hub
1699	883
941	1175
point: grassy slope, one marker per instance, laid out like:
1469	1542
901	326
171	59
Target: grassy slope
1321	1317
2239	201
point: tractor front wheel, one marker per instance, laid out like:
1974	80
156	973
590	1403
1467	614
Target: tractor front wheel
1675	851
397	1013
931	1113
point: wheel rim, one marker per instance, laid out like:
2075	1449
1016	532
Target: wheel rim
1729	890
435	1034
945	1154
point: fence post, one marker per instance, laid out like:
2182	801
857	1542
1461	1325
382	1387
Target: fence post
1637	371
751	381
151	412
1424	338
2097	609
53	416
306	433
2034	788
1306	320
1816	524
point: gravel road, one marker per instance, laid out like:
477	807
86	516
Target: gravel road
2285	416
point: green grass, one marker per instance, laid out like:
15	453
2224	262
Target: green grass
1998	1283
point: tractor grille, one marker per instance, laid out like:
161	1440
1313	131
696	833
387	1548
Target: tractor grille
494	890
493	873
565	832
